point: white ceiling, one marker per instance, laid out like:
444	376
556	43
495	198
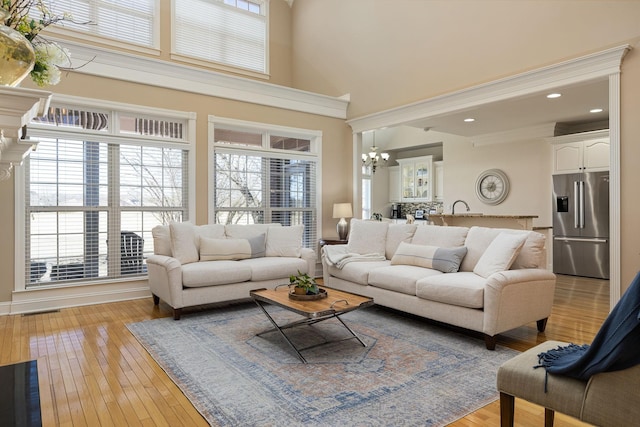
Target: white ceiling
527	111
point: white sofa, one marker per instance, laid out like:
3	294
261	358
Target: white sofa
488	280
194	265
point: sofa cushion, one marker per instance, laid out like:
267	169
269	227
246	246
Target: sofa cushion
161	240
399	278
367	237
397	233
284	241
213	231
212	273
500	254
357	272
269	268
444	237
446	260
532	254
224	249
246	231
184	246
258	245
478	240
464	289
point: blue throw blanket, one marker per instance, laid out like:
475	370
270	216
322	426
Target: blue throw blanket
615	347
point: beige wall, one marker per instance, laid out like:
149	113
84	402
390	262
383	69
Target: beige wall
390	53
336	150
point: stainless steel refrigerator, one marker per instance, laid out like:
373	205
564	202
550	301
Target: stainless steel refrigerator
581	224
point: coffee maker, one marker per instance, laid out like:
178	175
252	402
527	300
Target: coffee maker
395	211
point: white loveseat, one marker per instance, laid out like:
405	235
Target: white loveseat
194	265
488	280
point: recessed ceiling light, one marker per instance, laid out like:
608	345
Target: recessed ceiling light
554	95
469	120
596	110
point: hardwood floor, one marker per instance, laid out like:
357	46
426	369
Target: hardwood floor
93	372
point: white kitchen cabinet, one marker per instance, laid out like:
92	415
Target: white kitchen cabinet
581	152
416	179
438	181
394	184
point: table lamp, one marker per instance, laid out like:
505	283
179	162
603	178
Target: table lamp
342	211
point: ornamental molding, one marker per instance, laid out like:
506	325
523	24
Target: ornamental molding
118	65
17	107
584	68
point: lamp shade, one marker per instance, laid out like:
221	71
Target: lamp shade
342	210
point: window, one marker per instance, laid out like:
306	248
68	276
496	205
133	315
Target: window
134	22
97	184
262	175
229	32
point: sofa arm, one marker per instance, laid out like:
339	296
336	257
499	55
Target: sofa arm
310	256
513	298
165	279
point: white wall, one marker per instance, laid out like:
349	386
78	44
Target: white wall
527	165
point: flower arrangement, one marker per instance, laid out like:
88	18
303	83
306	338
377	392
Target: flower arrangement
51	58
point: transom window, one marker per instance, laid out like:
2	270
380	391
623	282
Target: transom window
95	187
135	22
229	32
263	175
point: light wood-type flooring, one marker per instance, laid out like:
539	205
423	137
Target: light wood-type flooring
93	372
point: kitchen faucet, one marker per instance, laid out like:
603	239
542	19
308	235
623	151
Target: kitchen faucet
453	208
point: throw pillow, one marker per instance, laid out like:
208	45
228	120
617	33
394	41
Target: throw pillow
183	242
500	254
446	260
258	245
284	241
224	249
161	240
367	237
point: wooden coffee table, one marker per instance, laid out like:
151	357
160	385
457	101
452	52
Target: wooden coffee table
334	305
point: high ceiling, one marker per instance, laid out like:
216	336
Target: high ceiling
532	110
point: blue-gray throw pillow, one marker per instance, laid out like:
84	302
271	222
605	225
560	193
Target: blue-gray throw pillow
446	260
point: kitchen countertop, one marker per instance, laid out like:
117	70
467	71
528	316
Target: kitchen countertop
468	219
466	215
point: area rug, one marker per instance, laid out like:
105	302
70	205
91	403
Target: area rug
412	372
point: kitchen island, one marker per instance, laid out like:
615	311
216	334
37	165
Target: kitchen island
518	222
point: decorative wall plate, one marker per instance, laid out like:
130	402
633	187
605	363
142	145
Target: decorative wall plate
492	186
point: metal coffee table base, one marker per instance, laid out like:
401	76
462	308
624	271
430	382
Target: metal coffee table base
305	322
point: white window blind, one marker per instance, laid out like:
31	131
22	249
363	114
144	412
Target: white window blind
124	20
223	33
253	186
90	204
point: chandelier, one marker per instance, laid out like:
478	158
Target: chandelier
372	158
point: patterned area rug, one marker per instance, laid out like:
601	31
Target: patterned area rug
412	373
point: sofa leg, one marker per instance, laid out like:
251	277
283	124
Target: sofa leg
548	417
490	342
156	299
542	324
507	406
177	312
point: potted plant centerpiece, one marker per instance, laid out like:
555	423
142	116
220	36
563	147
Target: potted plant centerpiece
304	286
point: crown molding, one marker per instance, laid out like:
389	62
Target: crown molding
584	68
118	65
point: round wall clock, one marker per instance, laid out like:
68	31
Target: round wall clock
492	186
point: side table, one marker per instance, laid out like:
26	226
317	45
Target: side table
323	242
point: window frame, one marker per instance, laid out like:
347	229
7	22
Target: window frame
315	154
187	143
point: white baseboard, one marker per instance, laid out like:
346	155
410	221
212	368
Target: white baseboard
35	300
